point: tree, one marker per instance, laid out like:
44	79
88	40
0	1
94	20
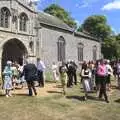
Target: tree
111	47
97	26
80	29
118	37
60	13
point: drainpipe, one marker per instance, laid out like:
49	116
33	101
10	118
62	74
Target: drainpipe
41	44
38	42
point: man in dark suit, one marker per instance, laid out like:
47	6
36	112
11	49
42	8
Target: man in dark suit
30	73
74	72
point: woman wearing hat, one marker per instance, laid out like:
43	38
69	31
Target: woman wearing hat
8	78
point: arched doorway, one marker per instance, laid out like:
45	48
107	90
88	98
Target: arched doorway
13	50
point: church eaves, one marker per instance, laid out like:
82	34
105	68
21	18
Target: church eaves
44	18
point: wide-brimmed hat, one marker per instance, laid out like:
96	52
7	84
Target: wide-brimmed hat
9	62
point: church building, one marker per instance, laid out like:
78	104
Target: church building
27	32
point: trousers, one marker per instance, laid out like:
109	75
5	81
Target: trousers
103	88
31	87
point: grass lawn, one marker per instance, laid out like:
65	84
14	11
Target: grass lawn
58	107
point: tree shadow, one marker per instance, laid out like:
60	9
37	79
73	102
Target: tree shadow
54	92
118	100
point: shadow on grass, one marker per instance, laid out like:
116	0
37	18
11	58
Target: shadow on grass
94	98
18	88
54	92
50	81
57	86
81	98
118	101
20	94
2	95
90	92
15	94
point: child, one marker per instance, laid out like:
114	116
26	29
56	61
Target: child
63	77
15	75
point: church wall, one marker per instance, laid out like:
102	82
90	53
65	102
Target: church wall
88	48
13	30
49	39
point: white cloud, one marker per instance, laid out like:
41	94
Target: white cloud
113	5
85	3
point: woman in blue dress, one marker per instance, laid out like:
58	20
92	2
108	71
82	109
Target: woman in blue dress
7	73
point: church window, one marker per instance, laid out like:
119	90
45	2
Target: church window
4	17
31	45
80	51
94	53
23	22
61	49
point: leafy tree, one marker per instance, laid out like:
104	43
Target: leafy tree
97	26
118	37
80	29
60	13
111	48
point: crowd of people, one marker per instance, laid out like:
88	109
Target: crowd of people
94	76
14	75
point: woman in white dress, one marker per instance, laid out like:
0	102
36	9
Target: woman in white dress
86	76
55	72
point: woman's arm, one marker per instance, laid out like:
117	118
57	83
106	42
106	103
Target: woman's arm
82	73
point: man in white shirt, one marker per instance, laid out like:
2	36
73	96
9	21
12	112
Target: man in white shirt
41	68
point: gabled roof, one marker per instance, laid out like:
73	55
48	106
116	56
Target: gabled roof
52	21
85	35
44	18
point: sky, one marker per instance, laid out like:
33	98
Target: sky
81	9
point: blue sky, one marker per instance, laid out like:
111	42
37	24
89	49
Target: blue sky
81	9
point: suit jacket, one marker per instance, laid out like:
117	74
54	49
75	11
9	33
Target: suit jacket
30	72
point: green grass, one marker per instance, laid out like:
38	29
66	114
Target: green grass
58	107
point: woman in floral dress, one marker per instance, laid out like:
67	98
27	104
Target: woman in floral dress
8	78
